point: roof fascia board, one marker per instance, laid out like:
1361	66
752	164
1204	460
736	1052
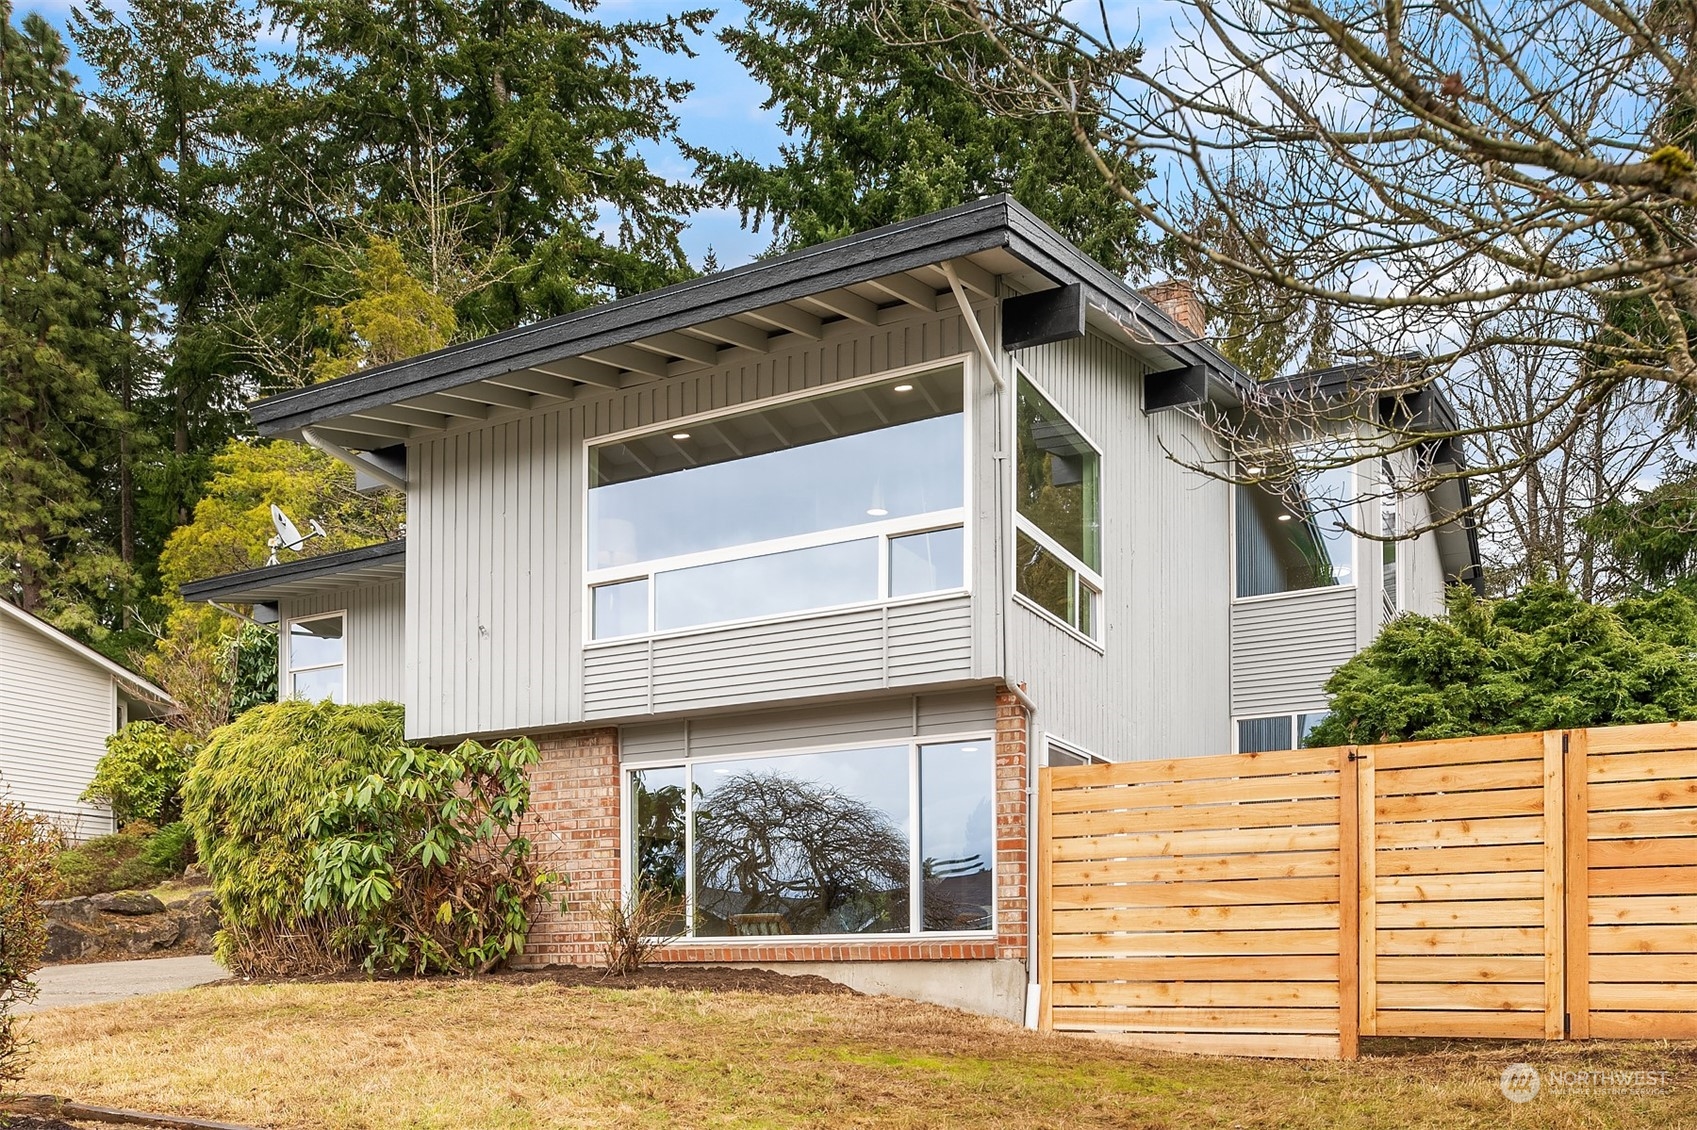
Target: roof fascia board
232	585
981	226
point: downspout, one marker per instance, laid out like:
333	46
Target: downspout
369	466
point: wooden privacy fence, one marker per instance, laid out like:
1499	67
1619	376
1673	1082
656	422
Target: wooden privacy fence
1527	886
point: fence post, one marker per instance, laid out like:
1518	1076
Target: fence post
1555	887
1367	888
1042	902
1577	871
1349	904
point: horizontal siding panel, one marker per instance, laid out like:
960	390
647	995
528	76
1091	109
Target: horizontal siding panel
1284	650
957	712
931	642
56	710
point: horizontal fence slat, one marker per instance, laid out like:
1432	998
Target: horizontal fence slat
1490	970
1198	994
1665	997
1628	825
1456	778
1655	765
1643	939
1197	843
1435	915
1646	910
1307	786
1680	792
1459	860
1463	833
1666	852
1459	751
1647	736
1475	1025
1644	1025
1490	997
1276	865
1422	888
1181	769
1477	940
1296	916
1461	806
1211	817
1198	943
1644	881
1247	892
1653	968
1309	1020
1259	1044
1236	967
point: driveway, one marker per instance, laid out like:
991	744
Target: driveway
101	981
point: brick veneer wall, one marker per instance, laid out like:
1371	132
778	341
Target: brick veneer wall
575	805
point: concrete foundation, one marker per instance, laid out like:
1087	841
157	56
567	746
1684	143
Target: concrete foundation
992	988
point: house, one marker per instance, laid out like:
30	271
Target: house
59	701
797	572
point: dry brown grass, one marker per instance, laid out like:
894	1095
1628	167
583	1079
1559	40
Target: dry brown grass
499	1054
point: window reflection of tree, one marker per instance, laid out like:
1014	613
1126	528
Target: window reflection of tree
829	863
958	894
661	844
1055	470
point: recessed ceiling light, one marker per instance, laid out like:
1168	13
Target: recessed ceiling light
877	512
680	435
1252	470
904	388
969	749
1284	517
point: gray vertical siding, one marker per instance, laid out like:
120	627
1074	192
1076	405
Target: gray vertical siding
1284	648
1159	686
968	712
376	629
495	566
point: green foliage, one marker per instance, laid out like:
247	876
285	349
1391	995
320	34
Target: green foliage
139	775
331	842
1651	539
883	133
249	796
394	315
1540	660
137	857
63	289
27	880
255	658
425	859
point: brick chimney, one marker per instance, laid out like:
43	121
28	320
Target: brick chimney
1177	300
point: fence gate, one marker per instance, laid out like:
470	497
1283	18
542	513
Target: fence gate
1461	893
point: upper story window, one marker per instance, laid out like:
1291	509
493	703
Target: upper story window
1057	514
317	658
1292	534
848	496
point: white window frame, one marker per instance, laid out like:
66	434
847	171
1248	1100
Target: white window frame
1354	519
1291	715
287	690
1052	746
916	862
1084	576
884	531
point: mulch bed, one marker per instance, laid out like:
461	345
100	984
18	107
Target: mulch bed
689	978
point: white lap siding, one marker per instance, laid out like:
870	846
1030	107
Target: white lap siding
375	648
56	710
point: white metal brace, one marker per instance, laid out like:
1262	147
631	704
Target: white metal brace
356	461
971	320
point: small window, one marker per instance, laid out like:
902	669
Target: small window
1292	534
1391	523
1277	731
318	658
1057	514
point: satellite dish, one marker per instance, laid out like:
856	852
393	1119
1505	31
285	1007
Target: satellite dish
288	535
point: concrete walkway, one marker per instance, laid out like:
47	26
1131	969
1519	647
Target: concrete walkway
102	981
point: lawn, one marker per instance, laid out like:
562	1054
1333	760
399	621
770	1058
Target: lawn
507	1053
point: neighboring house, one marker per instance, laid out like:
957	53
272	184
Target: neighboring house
813	562
59	701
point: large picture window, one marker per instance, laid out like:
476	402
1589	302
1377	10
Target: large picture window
1058	514
850	496
1292	534
895	839
317	658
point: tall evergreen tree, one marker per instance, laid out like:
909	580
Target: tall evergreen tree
880	98
63	290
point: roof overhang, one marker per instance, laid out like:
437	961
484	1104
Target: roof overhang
994	247
352	568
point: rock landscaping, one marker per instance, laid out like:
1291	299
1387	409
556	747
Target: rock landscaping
124	924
